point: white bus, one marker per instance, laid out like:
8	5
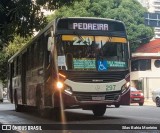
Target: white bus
85	61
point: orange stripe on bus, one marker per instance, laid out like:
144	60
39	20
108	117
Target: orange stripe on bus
97	38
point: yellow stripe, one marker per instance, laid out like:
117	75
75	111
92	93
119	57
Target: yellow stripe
110	39
72	37
97	38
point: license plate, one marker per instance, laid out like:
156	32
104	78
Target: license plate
98	98
136	99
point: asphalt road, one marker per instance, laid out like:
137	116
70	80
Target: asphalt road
123	117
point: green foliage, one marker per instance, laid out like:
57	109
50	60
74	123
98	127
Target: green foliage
16	45
55	4
3	66
24	16
7	52
78	9
128	11
20	17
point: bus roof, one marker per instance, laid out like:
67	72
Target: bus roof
95	18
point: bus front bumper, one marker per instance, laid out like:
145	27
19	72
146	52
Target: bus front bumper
85	100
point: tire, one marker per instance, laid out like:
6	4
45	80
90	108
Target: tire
140	104
158	102
1	100
99	110
56	114
117	105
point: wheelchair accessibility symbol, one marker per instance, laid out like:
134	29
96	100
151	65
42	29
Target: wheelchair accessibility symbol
102	65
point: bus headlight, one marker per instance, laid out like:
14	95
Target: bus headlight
125	86
59	85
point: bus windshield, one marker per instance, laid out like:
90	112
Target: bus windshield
101	53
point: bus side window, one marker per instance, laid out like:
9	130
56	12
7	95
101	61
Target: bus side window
41	45
32	55
14	68
19	59
36	52
29	58
47	53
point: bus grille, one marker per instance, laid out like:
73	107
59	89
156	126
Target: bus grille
89	96
95	76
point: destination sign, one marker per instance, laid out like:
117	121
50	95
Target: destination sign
84	63
116	64
90	26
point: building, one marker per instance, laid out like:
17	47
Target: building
153	15
145	68
144	3
152	6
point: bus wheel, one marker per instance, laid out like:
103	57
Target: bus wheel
56	113
41	111
17	107
140	104
99	110
117	105
158	102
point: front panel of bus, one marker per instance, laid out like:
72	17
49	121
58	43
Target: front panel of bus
93	57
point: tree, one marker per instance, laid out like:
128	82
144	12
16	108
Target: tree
23	16
15	45
3	66
129	11
55	4
78	9
7	52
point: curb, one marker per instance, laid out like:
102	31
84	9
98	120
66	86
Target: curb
149	103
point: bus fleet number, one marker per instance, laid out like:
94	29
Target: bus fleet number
110	87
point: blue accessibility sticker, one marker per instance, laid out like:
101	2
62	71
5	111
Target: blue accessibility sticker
102	65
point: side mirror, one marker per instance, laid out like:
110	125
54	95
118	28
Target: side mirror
51	42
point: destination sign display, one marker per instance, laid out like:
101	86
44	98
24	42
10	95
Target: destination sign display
90	24
116	64
84	63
